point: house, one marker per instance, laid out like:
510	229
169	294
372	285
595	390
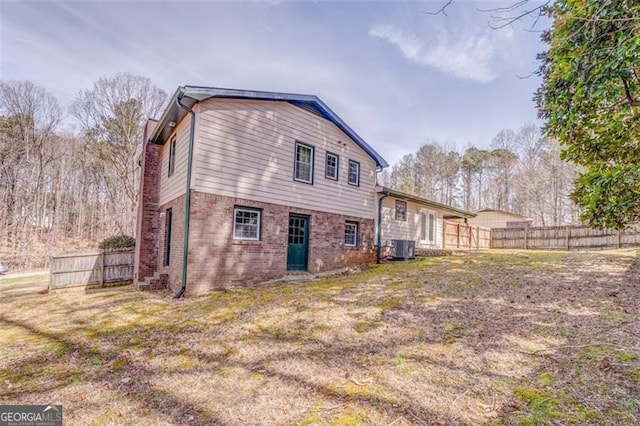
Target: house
239	187
492	218
403	216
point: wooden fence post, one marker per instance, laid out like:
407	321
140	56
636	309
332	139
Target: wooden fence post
50	273
444	234
619	241
102	272
478	237
458	235
525	237
568	230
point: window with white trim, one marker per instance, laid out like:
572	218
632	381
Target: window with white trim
172	157
331	166
427	227
246	224
350	234
354	173
303	164
401	210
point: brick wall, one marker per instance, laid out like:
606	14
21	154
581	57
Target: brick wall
217	261
147	223
174	269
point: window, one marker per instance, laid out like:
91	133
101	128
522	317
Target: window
351	234
428	227
168	218
354	173
303	166
401	210
172	156
246	224
331	166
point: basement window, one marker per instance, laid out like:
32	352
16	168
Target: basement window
351	234
246	224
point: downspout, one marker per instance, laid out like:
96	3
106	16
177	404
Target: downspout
187	201
385	194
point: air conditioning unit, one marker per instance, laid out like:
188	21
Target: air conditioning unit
404	249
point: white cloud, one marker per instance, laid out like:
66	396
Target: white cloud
467	56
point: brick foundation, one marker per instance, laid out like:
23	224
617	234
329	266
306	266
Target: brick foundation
218	261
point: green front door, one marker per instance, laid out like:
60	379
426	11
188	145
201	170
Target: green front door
298	248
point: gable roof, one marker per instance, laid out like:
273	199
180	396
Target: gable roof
515	215
191	95
454	212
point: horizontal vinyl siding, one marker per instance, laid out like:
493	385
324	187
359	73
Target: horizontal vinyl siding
393	229
173	186
245	149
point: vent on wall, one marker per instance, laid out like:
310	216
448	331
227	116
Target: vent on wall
404	249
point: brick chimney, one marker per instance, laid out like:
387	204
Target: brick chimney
148	215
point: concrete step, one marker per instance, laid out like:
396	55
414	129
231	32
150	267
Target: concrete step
155	283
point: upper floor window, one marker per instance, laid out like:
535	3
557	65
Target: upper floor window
246	224
172	156
303	165
401	210
331	166
354	173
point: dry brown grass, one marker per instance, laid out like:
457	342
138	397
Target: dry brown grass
485	338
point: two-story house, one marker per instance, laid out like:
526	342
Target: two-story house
239	187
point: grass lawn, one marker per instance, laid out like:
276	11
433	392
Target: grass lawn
492	337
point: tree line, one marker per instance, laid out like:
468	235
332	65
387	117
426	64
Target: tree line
67	187
521	172
589	97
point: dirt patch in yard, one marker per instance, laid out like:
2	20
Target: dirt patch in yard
491	337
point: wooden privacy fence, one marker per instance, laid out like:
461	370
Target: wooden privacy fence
564	238
464	236
91	269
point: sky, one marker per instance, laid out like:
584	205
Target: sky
397	75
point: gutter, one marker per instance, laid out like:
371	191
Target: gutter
385	194
187	202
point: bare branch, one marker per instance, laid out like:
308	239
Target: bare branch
509	8
627	91
442	10
524	77
505	21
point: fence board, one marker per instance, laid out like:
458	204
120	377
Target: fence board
464	236
91	269
564	238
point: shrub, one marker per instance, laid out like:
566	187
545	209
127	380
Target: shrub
117	242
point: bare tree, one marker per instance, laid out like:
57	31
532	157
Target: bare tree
29	117
522	172
502	164
112	115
